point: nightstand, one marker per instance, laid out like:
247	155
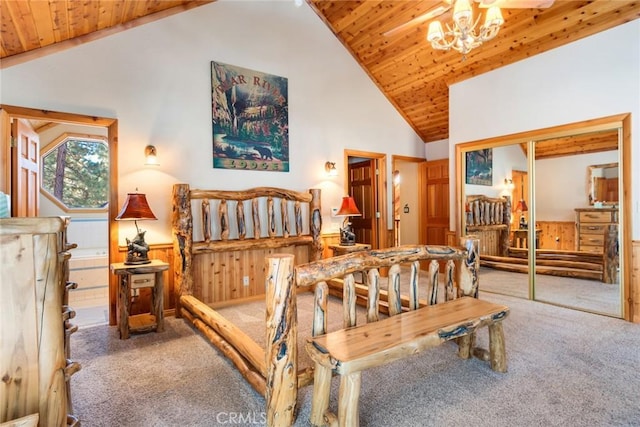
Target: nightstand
133	278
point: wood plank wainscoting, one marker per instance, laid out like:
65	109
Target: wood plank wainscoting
557	235
634	293
164	252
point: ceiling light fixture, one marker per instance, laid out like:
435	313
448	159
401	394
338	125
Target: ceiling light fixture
461	35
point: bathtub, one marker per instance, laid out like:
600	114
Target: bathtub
89	268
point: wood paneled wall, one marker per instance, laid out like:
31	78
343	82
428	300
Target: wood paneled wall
220	276
634	293
490	241
164	252
559	235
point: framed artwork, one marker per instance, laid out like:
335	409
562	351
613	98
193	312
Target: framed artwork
250	119
479	167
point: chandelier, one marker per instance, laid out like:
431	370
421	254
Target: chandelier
463	35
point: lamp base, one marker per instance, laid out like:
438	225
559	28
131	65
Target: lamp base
347	236
137	250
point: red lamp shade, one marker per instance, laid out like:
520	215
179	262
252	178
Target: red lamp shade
348	207
136	207
522	206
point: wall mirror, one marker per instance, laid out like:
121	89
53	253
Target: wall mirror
603	184
546	168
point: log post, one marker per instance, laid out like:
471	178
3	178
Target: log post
223	216
393	290
321	294
182	225
468	285
281	353
434	270
242	224
206	220
315	224
414	293
255	213
611	259
284	212
373	295
271	218
348	301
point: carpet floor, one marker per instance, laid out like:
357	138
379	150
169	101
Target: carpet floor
566	368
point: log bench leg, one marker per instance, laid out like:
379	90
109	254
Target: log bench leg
348	414
465	345
497	355
321	389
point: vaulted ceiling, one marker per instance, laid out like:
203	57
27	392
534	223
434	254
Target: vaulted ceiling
387	38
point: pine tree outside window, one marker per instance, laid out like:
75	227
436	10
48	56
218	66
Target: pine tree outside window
75	173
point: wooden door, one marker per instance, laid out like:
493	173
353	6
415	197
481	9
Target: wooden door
520	192
363	189
25	182
436	202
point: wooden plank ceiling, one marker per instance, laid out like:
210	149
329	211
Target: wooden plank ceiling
413	76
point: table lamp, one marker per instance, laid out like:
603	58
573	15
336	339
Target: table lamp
347	210
522	208
136	208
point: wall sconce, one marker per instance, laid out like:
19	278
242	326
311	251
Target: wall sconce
508	184
330	168
150	155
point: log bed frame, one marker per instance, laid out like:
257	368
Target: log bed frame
273	371
489	219
224	231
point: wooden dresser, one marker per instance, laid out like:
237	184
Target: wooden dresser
591	225
35	331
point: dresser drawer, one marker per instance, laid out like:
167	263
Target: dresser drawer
146	280
593	229
592	239
593	249
593	216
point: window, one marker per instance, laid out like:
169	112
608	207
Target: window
75	172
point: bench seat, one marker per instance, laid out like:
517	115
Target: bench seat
349	351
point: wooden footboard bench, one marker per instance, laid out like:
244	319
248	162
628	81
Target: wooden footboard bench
407	331
348	352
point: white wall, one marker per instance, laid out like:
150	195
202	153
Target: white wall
594	77
155	79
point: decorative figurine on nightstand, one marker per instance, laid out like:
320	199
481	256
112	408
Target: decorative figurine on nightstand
347	210
135	208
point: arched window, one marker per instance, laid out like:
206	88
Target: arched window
75	172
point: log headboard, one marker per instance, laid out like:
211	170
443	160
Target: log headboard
220	238
490	220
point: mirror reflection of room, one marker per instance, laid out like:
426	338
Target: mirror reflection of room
574	230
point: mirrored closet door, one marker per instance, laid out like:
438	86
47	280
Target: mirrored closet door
547	206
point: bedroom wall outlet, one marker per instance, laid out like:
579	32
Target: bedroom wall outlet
334	211
245	280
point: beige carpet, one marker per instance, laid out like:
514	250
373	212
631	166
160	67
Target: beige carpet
566	368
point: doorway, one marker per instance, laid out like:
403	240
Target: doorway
408	200
366	182
90	261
